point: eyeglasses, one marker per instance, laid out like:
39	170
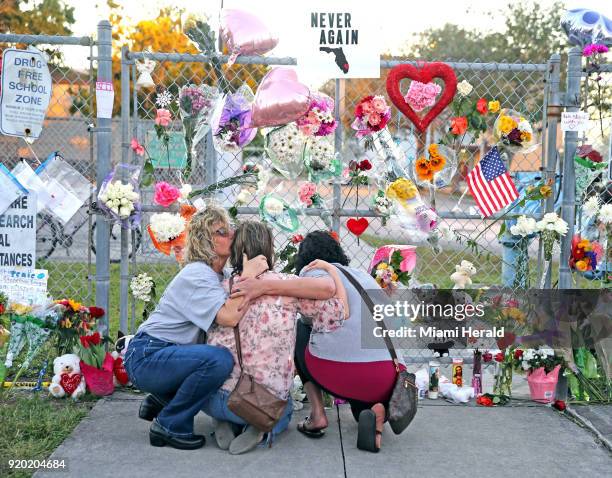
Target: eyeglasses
224	231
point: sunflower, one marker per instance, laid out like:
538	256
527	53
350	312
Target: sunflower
425	174
436	162
422	166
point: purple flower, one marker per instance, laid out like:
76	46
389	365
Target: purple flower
235	117
514	136
593	49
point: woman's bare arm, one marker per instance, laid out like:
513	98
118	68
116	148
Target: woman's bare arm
301	287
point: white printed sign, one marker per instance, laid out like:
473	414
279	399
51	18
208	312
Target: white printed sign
24	286
26	91
105	95
578	121
18	233
338	40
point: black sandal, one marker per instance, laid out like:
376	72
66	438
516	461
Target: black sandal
367	432
310	432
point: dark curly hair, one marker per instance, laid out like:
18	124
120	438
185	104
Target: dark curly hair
319	245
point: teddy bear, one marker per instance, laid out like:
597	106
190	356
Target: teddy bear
67	378
120	376
462	275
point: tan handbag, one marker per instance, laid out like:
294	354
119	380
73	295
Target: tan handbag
252	401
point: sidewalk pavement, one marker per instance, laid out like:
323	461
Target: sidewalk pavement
443	440
598	418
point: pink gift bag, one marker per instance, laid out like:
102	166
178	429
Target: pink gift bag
384	254
542	385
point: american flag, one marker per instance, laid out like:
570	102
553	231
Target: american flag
490	184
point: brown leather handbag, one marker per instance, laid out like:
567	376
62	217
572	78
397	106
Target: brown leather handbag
252	401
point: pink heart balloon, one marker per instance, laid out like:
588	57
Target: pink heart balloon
280	99
245	34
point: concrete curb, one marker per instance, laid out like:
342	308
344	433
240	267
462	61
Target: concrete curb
589	425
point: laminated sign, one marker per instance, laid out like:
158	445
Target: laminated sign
18	233
26	91
339	40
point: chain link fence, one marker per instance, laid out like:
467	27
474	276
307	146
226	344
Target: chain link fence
522	87
64	249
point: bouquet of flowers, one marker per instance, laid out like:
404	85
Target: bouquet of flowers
168	231
585	254
589	164
143	288
319	119
438	168
389	274
551	228
320	158
371	115
405	193
532	359
276	211
309	196
511	129
356	172
231	119
119	196
195	107
96	364
285	146
382	205
74	319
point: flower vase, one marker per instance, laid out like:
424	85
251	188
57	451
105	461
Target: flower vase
99	381
503	379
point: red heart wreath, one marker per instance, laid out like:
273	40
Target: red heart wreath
424	74
357	226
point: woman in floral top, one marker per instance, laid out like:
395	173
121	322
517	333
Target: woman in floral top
268	329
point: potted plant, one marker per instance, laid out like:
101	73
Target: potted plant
542	369
96	364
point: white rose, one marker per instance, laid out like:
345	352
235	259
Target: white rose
244	196
186	191
124	212
274	207
464	88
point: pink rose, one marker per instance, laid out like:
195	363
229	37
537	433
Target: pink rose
165	194
379	104
374	119
137	147
163	117
366	107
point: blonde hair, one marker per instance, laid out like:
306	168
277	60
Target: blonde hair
199	245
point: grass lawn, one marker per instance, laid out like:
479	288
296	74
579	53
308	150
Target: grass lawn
34	425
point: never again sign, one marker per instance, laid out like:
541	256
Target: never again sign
26	91
340	40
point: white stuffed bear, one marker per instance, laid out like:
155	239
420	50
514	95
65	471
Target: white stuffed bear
67	379
462	275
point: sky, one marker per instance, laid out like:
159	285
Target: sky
400	19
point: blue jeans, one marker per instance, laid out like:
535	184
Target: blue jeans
183	375
215	406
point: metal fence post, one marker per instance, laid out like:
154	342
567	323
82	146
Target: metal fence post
337	189
103	165
552	121
125	145
568	205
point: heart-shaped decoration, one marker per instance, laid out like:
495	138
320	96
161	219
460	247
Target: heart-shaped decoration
280	99
70	382
357	226
245	34
424	74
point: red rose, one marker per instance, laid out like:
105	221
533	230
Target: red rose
96	312
365	165
499	357
484	401
559	405
459	125
595	156
482	107
297	238
84	341
95	338
487	357
2	309
518	353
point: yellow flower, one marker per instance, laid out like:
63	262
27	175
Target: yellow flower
506	124
67	324
20	309
526	136
382	266
394	277
494	106
402	189
581	265
433	149
74	305
546	191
